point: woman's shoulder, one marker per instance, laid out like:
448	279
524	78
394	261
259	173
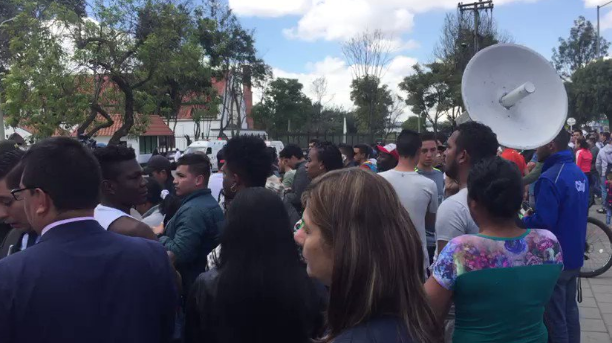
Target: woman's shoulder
383	329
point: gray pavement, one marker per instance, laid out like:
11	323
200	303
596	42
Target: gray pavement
596	306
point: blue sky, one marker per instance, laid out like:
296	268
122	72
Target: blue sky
302	38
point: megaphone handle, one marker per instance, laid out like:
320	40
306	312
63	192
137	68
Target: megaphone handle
517	95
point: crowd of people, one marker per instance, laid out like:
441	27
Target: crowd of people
417	240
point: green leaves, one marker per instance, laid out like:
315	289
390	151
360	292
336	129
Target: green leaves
579	49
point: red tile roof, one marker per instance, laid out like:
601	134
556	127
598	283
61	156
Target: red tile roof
186	110
155	127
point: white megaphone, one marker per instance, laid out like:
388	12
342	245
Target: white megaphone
517	93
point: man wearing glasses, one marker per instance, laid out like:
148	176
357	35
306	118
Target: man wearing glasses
12	214
80	283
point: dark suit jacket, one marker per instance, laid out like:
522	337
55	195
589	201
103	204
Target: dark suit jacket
81	283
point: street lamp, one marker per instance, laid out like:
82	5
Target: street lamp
598	7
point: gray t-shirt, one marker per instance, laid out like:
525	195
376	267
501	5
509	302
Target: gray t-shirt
438	177
454	218
418	195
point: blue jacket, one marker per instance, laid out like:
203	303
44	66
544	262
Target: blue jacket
562	206
81	283
193	233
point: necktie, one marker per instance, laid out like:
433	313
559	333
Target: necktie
32	239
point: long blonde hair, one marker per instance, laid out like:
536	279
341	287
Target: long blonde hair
377	253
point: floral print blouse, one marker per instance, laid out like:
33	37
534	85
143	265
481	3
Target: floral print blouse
469	253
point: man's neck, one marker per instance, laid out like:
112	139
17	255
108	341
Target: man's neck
115	204
406	164
425	168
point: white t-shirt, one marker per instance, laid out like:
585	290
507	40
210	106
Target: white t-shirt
215	184
419	196
107	215
454	218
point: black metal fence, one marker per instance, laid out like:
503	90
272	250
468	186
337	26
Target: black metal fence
302	139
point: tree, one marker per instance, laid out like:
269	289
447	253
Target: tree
368	54
40	90
372	103
579	49
414	123
117	53
590	92
429	93
396	110
231	50
456	48
283	106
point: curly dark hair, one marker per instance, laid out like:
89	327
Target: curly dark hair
111	155
478	140
496	184
248	157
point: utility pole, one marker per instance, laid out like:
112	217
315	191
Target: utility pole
597	43
476	7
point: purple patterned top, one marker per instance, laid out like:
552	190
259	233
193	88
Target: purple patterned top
470	253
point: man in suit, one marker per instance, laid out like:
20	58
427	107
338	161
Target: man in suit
80	283
21	236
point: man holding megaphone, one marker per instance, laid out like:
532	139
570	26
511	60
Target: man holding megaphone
562	185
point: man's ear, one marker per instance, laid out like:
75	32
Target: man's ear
42	201
463	157
199	180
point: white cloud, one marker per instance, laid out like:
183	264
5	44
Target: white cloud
593	3
269	8
606	21
339	77
342	19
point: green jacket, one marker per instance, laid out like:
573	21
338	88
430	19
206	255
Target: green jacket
193	233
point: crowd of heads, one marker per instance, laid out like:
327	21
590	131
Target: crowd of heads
368	272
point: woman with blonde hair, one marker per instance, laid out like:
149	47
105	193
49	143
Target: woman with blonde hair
367	251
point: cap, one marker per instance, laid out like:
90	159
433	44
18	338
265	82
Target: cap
157	163
390	149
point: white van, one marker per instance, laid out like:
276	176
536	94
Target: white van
278	145
210	148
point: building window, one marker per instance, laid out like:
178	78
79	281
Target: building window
147	144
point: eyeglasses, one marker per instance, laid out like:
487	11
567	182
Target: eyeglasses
18	192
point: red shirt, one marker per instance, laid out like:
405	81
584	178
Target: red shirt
584	158
513	156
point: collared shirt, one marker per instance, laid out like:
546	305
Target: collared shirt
65	221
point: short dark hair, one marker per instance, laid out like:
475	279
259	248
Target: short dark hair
292	150
408	143
154	190
197	164
329	155
562	140
364	149
13	178
496	184
577	130
314	141
247	157
478	140
65	170
9	160
606	134
111	155
347	150
220	159
428	136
